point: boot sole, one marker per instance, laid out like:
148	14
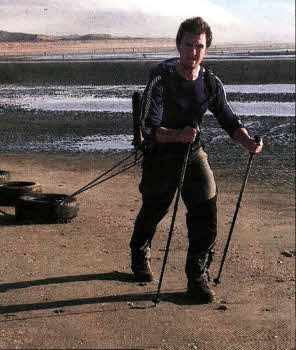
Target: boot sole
143	278
201	299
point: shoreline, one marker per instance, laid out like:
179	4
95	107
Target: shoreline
81	136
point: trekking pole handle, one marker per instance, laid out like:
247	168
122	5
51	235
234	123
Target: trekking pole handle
257	138
194	124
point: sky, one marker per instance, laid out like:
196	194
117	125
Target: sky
230	20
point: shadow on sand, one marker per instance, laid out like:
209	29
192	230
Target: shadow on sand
178	297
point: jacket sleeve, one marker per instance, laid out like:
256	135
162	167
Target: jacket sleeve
221	109
152	107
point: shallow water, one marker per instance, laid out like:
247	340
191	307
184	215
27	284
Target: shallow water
118	98
60	111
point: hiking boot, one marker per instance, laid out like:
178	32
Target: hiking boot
198	277
141	267
200	291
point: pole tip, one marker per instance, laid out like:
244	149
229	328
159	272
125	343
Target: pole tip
217	281
156	301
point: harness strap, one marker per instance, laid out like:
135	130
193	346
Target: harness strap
139	112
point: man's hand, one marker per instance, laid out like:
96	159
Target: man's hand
254	146
186	135
241	135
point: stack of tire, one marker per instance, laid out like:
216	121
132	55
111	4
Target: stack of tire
31	205
11	191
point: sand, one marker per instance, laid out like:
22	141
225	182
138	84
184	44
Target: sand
69	286
85	47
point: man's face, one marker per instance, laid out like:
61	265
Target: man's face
192	50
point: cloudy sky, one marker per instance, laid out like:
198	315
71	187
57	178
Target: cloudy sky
231	20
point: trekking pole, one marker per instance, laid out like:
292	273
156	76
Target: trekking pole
156	299
217	279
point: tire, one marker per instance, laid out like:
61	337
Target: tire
11	191
46	208
4	176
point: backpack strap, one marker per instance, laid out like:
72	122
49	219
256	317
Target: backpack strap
137	99
211	83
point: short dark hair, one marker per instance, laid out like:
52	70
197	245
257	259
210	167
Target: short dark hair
195	25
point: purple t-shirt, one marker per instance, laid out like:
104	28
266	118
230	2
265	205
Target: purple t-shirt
174	102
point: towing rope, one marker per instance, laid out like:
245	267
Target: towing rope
95	183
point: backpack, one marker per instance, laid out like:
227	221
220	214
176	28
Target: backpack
137	97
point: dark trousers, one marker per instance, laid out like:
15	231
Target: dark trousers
160	178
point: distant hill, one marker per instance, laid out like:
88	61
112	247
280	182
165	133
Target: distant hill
8	37
23	37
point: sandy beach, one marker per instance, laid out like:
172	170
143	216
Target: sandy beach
87	46
69	285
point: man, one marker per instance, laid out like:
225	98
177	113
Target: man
175	100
